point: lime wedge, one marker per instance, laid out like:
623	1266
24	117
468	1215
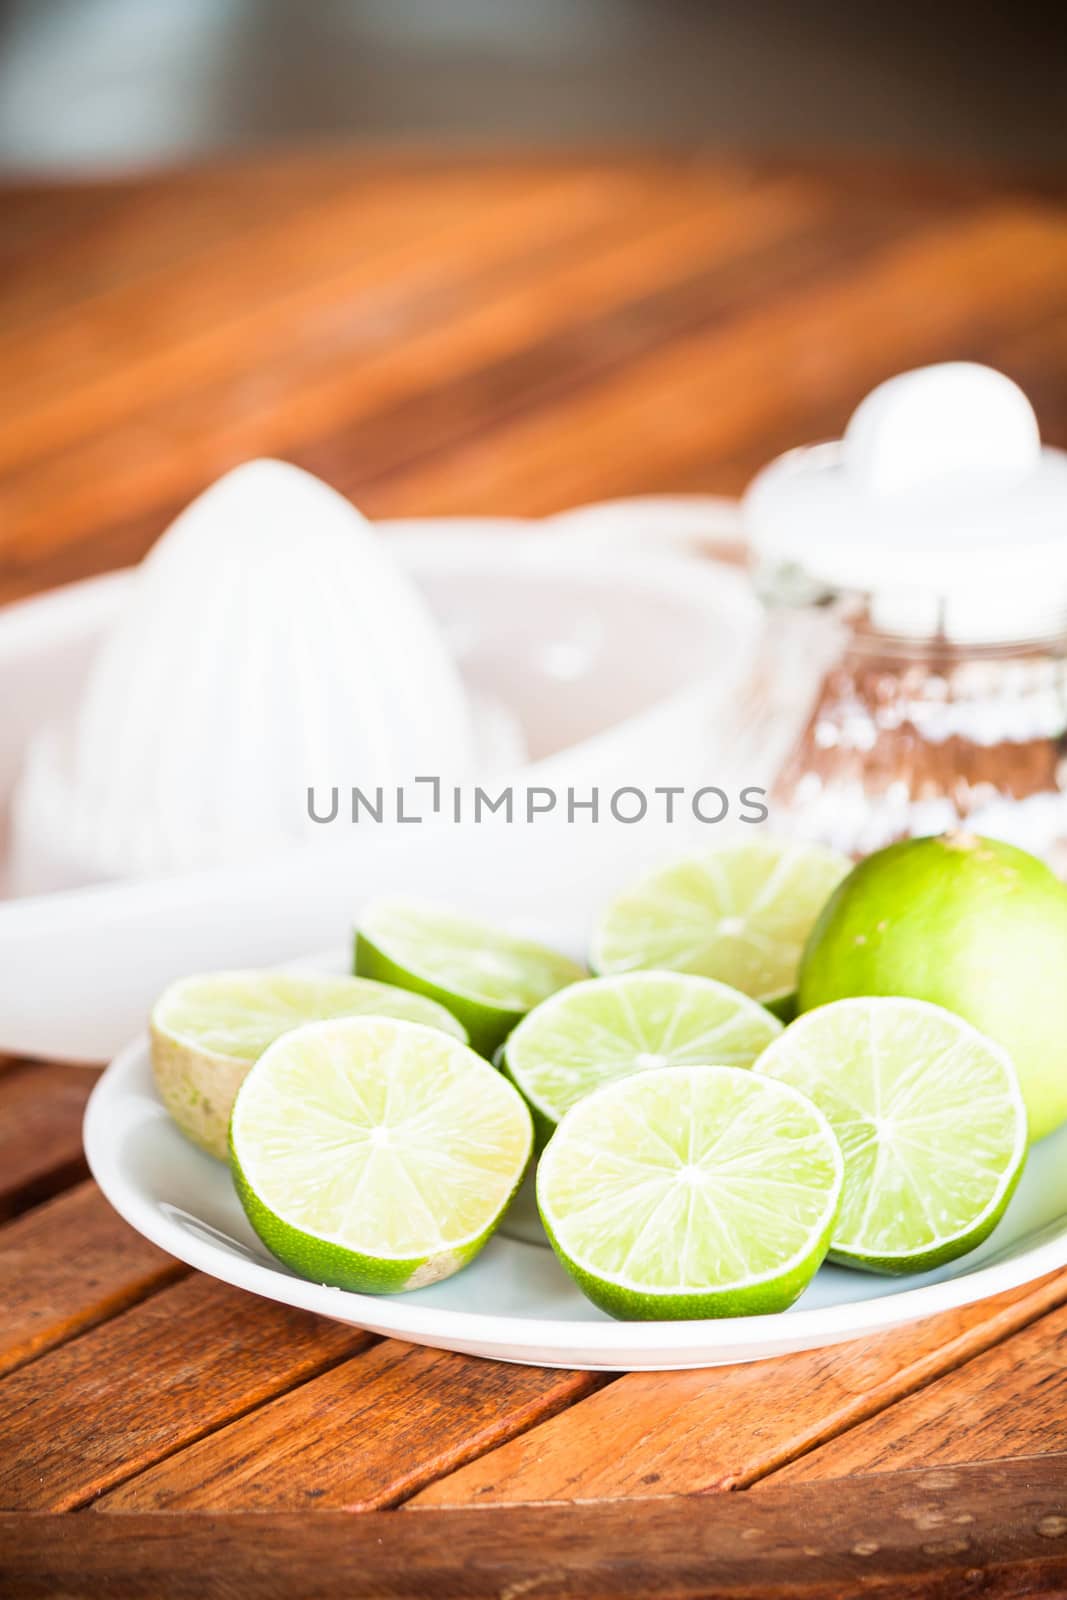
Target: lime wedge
206	1032
691	1193
374	1154
487	978
607	1028
929	1115
740	913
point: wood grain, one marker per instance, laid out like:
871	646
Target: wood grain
356	273
67	1265
362	1436
500	337
222	360
163	1374
994	1531
657	1434
41	1110
125	228
1012	1401
791	362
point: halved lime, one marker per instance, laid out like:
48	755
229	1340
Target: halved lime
691	1193
607	1028
740	913
489	979
973	924
206	1031
374	1154
929	1115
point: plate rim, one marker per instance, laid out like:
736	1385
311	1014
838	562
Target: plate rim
544	1341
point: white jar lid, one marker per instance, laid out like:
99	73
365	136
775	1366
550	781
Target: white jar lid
940	503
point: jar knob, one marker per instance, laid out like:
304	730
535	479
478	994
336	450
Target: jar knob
956	428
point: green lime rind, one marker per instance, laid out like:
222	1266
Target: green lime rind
376	1155
739	913
686	1192
485	1027
633	1305
321	1262
783	1006
487	978
927	1260
543	1126
929	1116
205	1031
604	1029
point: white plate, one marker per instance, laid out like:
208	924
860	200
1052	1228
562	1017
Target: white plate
515	1303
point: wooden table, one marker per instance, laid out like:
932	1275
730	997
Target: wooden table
509	337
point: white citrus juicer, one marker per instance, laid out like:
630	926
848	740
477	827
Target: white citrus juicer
165	726
267	643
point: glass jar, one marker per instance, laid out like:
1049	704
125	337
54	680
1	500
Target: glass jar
910	737
915	578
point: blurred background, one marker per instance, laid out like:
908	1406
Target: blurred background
499	257
104	85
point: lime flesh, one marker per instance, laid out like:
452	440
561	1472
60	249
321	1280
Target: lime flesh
968	923
929	1116
690	1192
376	1155
206	1031
607	1028
740	914
487	978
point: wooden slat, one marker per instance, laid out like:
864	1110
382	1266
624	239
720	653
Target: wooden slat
369	217
367	432
997	1531
41	1109
772	245
706	399
100	238
355	269
134	1390
656	1434
261	321
299	290
423	349
67	1265
353	277
361	1436
1012	1401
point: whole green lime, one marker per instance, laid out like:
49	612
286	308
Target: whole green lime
969	923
